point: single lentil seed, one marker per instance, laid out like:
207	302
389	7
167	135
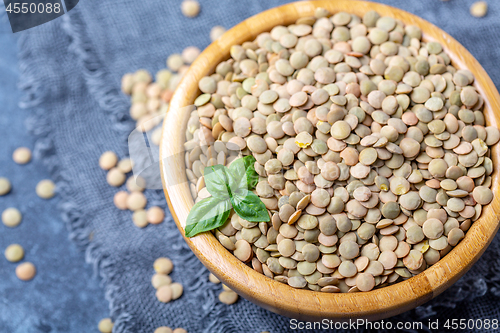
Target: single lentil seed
140	218
190	8
155	215
21	155
136	201
11	217
164	294
160	280
228	297
120	200
4	186
25	271
163	265
108	160
105	325
177	290
479	9
45	189
163	329
14	253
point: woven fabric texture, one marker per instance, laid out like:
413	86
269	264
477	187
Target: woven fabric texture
64	286
71	70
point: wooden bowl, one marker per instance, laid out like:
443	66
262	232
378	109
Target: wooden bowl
279	297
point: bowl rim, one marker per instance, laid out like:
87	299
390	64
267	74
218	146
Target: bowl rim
276	296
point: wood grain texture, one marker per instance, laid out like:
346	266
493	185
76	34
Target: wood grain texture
278	297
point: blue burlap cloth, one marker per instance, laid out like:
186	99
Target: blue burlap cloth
70	76
64	296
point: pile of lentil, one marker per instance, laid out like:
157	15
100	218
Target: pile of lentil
372	150
166	291
149	100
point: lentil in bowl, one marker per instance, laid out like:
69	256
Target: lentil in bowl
370	146
378	303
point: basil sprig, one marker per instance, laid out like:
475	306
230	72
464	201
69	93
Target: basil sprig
230	188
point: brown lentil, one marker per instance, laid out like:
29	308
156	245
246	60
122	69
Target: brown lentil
25	271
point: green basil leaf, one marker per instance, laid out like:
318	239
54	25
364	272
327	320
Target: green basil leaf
229	188
207	214
250	207
252	175
217	181
244	175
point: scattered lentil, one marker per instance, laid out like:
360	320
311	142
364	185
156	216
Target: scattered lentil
45	189
479	9
14	253
155	215
136	201
163	329
190	8
4	186
125	165
216	32
105	325
177	290
140	218
115	177
11	217
212	278
136	184
120	200
163	265
160	280
108	160
25	271
179	330
164	294
228	297
22	155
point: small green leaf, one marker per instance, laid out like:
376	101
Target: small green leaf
229	188
250	207
206	215
217	181
252	175
244	174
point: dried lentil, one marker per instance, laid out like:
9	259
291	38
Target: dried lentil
105	325
11	217
22	155
45	189
14	253
25	271
190	8
4	186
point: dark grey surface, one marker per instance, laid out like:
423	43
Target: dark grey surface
71	69
64	296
